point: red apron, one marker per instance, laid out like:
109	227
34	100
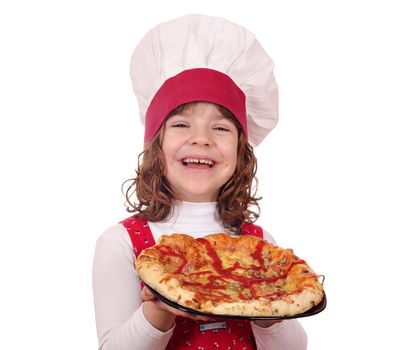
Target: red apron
221	334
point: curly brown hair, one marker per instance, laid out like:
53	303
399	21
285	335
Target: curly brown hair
154	195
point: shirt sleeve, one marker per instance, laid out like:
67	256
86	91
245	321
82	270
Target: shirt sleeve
269	237
286	335
120	321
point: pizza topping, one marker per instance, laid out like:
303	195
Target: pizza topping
167	251
257	255
216	262
220	269
224	283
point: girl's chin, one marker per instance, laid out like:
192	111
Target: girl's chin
197	169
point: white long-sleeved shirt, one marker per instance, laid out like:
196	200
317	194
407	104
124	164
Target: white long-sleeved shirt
121	324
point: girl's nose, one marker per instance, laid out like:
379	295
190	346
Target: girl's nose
201	136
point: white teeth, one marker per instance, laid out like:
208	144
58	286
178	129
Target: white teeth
198	161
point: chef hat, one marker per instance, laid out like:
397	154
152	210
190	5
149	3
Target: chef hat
202	58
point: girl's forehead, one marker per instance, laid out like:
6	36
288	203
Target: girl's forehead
201	108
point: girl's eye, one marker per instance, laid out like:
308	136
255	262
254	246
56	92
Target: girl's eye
221	128
179	125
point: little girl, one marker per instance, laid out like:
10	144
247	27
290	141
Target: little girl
207	95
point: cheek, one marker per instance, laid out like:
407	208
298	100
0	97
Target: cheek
233	165
231	153
166	162
231	159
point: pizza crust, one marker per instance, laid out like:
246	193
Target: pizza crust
296	293
265	307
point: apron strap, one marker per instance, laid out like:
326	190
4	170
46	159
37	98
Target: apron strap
139	232
252	229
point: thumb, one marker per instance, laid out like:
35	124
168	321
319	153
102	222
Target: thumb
146	294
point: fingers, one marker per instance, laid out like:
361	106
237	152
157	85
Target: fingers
201	318
146	294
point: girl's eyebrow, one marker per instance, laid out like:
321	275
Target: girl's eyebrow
218	116
221	116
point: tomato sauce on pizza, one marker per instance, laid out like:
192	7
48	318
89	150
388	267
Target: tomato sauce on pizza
230	275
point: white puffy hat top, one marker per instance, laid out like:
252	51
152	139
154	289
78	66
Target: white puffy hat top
202	58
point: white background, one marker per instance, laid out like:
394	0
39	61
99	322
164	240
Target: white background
334	174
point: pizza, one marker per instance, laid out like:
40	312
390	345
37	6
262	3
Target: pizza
223	274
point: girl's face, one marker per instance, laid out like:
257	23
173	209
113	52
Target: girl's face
200	149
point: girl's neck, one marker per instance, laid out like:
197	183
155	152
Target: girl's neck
195	219
185	211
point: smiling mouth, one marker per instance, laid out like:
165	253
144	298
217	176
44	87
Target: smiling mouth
198	162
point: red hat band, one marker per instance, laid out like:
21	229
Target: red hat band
199	84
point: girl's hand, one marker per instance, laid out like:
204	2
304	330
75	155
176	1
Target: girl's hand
161	315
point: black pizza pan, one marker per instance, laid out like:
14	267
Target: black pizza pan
313	311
